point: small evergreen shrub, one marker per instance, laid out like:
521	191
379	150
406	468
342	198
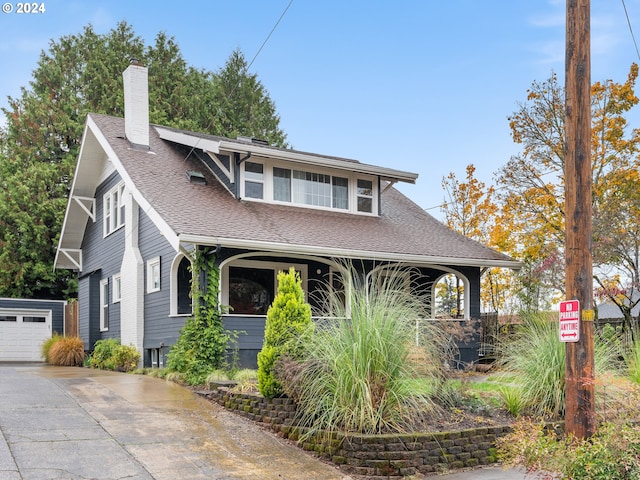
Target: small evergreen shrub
66	352
288	319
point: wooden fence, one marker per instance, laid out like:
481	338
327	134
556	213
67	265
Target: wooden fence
71	319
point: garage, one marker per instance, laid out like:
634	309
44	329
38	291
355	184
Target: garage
25	324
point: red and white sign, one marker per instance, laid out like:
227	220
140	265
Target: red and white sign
570	321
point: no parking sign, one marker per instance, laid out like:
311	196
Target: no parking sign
569	321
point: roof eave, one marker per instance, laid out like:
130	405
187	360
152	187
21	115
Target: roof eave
216	145
345	252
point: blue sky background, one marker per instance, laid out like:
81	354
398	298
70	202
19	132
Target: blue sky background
419	85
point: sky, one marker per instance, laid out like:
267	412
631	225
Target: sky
422	86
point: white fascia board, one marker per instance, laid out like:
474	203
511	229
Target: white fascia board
318	160
346	253
188	140
146	207
57	264
282	154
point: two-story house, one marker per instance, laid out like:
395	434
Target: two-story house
144	196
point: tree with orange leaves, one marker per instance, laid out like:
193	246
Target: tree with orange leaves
470	209
531	184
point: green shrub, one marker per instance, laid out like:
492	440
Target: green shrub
67	352
46	346
109	354
613	453
202	344
125	358
357	374
102	354
288	322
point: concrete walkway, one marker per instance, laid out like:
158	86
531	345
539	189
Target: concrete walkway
78	423
485	473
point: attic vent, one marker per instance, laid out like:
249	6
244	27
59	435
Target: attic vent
196	177
255	141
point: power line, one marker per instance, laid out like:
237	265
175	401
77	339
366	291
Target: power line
184	160
635	44
269	36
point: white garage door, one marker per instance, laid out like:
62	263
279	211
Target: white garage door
22	333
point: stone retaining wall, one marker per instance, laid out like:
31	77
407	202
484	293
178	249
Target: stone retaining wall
383	456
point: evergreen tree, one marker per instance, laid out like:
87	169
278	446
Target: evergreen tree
243	107
40	143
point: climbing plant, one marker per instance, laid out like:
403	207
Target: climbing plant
203	340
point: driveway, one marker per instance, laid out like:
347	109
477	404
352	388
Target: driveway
78	423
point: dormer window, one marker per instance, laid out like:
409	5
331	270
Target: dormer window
253	180
280	184
365	195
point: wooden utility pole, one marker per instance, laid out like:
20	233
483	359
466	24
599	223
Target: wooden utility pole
580	417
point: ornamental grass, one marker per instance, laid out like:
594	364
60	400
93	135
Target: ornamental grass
66	352
358	369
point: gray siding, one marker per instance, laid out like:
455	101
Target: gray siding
102	257
160	329
473	275
55	306
250	336
213	166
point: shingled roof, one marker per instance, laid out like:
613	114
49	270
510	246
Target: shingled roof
210	214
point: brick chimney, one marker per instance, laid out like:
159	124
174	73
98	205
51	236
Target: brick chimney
136	104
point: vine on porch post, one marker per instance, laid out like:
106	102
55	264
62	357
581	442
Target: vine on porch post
203	341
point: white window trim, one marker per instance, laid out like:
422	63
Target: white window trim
173	288
362	195
117	288
104	305
352	177
150	266
275	266
261	181
466	285
110	223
